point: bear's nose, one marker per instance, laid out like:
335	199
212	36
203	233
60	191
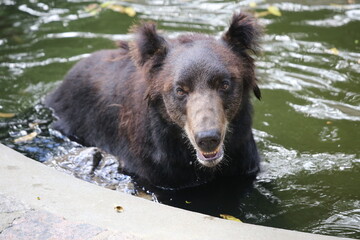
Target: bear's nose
208	141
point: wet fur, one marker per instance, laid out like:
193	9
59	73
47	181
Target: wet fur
117	100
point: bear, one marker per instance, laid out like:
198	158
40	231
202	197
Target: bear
176	112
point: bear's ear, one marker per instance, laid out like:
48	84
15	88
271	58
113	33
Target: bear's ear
243	33
257	91
149	48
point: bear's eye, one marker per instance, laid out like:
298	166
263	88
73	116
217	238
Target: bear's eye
180	92
225	85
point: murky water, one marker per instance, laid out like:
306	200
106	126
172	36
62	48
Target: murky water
307	125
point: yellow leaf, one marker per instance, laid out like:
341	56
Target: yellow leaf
336	5
116	8
262	14
274	11
91	7
7	115
106	4
229	217
253	4
334	51
130	11
25	138
187	202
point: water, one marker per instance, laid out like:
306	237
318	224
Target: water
307	125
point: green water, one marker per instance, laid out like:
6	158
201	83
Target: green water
307	125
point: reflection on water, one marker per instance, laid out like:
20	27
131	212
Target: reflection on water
306	126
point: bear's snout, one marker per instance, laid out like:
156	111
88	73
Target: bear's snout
210	151
208	141
206	126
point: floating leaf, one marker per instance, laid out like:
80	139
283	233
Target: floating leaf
91	7
336	5
262	14
25	138
7	115
274	10
187	202
119	209
130	11
96	8
229	217
253	4
116	8
106	4
334	51
329	122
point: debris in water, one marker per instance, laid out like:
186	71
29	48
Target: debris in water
25	138
334	51
229	217
95	8
271	10
253	4
6	115
274	11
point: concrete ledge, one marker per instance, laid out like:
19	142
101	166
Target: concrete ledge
38	202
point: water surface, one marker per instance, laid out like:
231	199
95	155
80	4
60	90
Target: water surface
307	125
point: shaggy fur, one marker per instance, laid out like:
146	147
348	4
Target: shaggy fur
165	106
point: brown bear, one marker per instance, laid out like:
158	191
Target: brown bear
175	112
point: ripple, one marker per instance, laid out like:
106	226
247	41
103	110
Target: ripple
328	109
341	223
17	68
335	21
113	37
280	162
315	6
195	15
82	163
320	84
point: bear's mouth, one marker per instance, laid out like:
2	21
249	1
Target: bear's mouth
210	159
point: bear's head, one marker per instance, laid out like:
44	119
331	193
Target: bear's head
202	82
